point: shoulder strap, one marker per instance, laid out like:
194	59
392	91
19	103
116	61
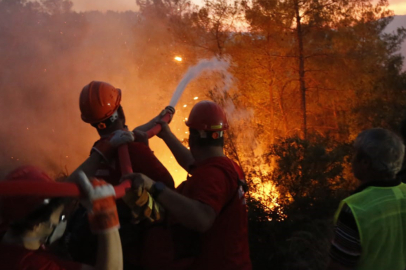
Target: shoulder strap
242	187
241	181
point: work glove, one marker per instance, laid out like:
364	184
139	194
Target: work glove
140	136
106	147
100	202
143	205
162	114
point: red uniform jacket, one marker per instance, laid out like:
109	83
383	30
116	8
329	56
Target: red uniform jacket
224	246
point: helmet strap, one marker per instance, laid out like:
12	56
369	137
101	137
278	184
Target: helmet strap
106	123
114	117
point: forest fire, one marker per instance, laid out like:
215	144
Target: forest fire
298	82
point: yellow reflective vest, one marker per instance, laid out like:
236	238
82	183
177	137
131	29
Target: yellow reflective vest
380	214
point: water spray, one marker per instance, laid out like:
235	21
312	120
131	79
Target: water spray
193	72
29	188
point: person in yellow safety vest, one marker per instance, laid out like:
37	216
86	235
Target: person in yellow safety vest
371	223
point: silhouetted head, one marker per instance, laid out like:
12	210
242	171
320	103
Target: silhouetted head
207	122
378	155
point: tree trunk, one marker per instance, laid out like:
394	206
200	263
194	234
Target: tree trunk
299	39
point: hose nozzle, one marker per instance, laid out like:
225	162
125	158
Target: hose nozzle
170	108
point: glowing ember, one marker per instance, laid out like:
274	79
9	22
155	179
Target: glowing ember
178	58
196	98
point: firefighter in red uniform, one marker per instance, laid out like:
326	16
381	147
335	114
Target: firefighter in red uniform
209	206
100	106
34	223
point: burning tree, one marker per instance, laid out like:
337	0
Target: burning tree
308	75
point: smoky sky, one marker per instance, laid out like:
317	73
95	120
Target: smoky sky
104	5
399	6
45	61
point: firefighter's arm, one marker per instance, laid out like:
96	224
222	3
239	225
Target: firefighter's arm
147	126
190	213
180	152
89	167
153	122
109	255
102	151
103	221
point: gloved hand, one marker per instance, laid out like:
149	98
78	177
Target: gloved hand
107	147
140	136
164	112
142	204
100	203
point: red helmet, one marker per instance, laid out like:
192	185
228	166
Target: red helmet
17	207
207	115
98	101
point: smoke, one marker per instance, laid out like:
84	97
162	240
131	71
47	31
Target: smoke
104	5
46	59
48	55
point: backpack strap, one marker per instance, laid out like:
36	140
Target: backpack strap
241	182
242	187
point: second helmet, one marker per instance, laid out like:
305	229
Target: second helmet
207	115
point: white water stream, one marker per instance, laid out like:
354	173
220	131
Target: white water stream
213	65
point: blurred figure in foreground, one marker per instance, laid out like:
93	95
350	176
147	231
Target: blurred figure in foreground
370	224
36	222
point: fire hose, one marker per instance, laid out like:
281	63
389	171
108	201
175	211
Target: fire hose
30	188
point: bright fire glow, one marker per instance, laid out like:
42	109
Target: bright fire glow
265	192
178	58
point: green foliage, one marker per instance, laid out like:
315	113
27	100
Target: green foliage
311	179
309	174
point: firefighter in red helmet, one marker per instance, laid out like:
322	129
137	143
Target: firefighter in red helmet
33	223
209	208
100	106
